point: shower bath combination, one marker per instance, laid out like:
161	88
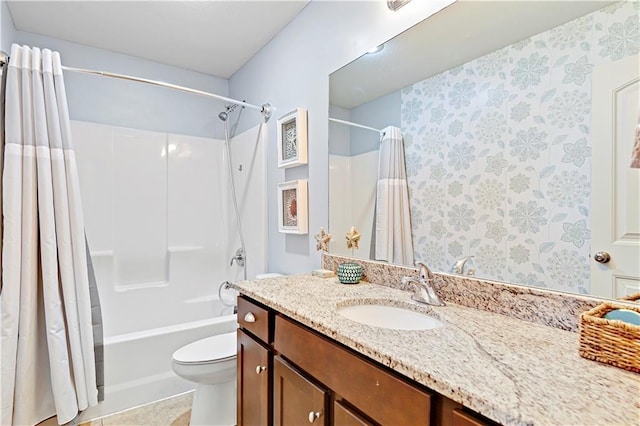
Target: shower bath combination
196	311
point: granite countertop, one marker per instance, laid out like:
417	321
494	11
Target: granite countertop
508	370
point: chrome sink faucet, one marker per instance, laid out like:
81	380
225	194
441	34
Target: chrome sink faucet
423	289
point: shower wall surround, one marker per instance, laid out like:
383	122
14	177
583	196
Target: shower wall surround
160	222
499	153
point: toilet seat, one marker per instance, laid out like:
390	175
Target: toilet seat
267	275
207	351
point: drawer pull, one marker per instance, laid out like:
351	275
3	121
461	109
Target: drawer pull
260	369
250	317
313	415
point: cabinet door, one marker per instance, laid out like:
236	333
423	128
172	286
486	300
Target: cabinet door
253	382
345	416
297	401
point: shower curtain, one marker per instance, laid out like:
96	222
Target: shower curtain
393	242
48	312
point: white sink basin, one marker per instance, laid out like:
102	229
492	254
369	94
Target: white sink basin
389	317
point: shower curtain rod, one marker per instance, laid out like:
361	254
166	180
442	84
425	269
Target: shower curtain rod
350	123
265	109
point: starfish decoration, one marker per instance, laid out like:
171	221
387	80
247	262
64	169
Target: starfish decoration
322	240
353	237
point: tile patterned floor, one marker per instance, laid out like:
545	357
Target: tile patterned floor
174	411
170	412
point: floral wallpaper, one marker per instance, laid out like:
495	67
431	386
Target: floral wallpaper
499	154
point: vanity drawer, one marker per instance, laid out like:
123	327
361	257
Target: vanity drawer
450	413
254	318
383	397
460	418
344	416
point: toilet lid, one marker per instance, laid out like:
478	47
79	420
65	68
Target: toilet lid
211	349
268	275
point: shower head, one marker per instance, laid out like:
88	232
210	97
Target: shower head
224	115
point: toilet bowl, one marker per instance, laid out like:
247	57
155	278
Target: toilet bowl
211	364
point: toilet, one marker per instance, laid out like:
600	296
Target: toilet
211	364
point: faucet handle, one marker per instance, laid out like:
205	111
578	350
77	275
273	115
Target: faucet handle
458	268
425	272
422	291
407	280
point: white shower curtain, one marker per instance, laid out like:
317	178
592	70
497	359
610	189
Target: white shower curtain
47	353
393	221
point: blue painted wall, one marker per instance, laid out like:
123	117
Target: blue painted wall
293	71
130	104
7	29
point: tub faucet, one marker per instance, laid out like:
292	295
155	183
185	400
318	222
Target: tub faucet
458	268
238	258
423	289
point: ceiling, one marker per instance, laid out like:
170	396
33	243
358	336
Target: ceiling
212	37
466	30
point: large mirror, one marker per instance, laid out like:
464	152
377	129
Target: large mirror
505	110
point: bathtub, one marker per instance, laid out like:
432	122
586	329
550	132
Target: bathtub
161	233
138	364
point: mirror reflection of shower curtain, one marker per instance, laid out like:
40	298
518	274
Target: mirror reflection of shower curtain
393	242
48	309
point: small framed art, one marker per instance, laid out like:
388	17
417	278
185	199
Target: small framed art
292	207
292	138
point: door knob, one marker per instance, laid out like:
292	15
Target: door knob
602	257
260	369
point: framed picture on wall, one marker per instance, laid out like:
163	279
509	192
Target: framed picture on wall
292	138
292	207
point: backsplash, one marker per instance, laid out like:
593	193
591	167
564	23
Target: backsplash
540	306
499	154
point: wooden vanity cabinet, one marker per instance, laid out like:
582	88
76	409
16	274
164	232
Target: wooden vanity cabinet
311	379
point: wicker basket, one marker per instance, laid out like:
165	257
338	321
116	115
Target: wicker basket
610	341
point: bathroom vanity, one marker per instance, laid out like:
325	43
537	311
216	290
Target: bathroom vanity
317	379
300	361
